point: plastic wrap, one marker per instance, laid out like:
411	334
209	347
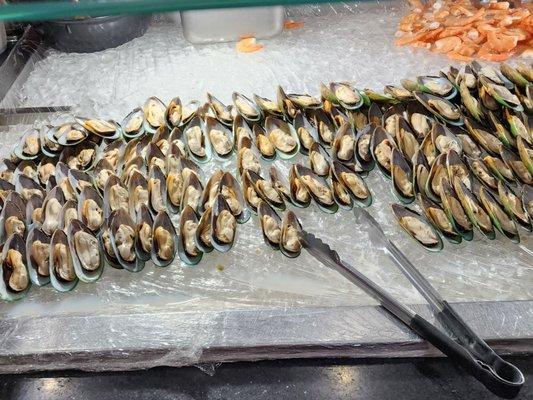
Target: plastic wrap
351	41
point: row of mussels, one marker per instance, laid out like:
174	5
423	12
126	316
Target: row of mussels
460	143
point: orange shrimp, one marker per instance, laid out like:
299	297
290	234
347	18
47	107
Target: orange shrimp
248	45
291	24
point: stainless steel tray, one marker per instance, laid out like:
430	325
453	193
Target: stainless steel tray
250	303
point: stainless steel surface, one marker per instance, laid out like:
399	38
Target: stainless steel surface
231	24
184	338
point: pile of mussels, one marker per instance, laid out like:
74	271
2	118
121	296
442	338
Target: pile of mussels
459	143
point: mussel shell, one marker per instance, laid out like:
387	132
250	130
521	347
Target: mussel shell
398	93
254	179
425	99
252	117
154	156
212	123
59	284
449	198
400	170
438	169
19	148
162	219
217	106
74	151
79	179
58	134
302	171
503	134
525	152
344	130
144	216
437	131
268	107
336	185
478	167
136	129
191	181
33	203
264	209
272	123
89	193
293	188
324	126
406	140
379	136
23	182
173	113
246	145
304	101
25	167
518	127
15	242
117	218
376	97
319	150
420	172
188	214
289	219
155	173
471	104
514	207
527	200
112	181
220	205
258	131
205	143
401	212
151	126
229	180
70	204
437	86
496	213
56	193
279	182
515	164
48	148
110	133
36	234
359	201
499	169
83	274
455	165
427	205
367	162
470	206
210	190
354	103
204	220
501	94
240	129
489	142
189	111
135	164
137	179
101	165
301	122
419	118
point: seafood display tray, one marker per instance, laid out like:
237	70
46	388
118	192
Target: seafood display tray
251	303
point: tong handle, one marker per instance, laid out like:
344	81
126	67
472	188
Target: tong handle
499	376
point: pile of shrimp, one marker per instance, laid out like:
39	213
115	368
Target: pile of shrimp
465	29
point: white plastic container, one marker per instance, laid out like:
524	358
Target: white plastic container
232	24
3	38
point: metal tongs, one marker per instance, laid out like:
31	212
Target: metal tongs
461	344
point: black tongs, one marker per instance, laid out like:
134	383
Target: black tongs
461	344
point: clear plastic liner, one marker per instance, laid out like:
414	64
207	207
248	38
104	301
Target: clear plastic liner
348	41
